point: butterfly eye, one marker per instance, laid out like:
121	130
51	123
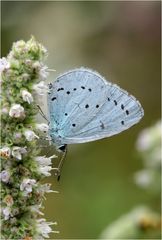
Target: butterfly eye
89	89
50	85
115	102
127	112
122	106
122	122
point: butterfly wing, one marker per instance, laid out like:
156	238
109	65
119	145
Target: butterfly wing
86	107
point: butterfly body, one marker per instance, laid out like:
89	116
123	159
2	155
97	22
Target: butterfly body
84	107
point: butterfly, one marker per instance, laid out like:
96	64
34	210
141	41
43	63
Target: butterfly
84	107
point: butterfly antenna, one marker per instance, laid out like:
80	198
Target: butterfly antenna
42	113
51	70
59	168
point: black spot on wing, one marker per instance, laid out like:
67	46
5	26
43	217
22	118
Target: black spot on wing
54	98
127	112
60	89
82	87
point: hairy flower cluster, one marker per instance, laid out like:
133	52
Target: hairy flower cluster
149	145
22	75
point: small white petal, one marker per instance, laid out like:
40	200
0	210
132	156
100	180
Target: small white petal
27	97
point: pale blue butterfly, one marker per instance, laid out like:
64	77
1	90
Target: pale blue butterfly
84	107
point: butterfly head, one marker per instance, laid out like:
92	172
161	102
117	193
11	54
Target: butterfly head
62	148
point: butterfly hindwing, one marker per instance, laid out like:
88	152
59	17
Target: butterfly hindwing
93	109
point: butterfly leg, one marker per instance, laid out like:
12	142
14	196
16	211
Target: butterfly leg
42	114
58	169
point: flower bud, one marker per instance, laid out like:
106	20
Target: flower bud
5	176
5	152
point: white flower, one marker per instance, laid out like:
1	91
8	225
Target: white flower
43	72
143	178
44	161
5	152
35	208
43	227
18	151
30	135
4	64
27	184
16	111
45	188
5	176
40	88
149	137
19	44
6	212
43	127
27	97
45	170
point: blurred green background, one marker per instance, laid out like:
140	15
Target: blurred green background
121	40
